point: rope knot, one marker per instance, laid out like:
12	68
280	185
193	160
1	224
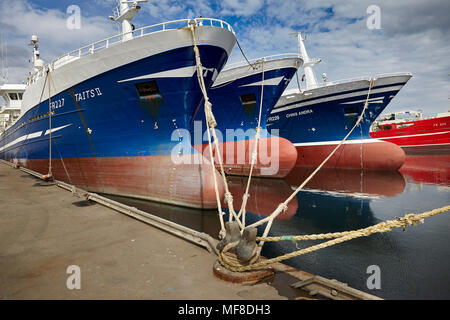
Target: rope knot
228	197
209	114
282	207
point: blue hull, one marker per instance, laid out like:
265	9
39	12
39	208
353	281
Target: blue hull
114	134
318	120
229	110
236	106
330	120
107	118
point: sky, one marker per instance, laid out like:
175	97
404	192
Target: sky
412	36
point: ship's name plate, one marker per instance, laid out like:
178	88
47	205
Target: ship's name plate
88	94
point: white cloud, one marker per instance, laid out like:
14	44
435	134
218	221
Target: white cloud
414	36
19	20
241	7
351	50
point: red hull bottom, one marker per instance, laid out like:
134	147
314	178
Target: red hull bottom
155	178
373	156
276	157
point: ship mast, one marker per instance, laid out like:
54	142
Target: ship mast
308	63
38	63
123	14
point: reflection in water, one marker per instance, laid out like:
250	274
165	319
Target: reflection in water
369	183
334	200
265	195
433	169
339	200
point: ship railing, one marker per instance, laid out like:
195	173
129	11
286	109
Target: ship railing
328	83
266	58
160	27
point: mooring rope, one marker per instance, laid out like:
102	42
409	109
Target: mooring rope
254	156
49	174
211	124
242	51
283	206
230	261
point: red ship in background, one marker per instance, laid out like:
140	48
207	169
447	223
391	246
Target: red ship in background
414	133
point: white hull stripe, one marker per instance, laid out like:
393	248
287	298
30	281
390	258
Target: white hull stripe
267	82
34	135
185	72
324	143
31	136
336	97
372	100
22	138
56	129
414	135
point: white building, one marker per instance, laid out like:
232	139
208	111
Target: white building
11	104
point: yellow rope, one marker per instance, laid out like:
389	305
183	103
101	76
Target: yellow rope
230	262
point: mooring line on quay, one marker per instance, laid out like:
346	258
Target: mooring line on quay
312	285
199	238
238	248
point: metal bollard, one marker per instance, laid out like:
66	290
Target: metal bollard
233	234
247	244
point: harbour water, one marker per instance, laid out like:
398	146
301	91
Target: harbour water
413	264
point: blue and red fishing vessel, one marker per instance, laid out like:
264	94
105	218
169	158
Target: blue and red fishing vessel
101	117
236	104
317	118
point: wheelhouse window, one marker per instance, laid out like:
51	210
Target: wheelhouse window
404	125
13	96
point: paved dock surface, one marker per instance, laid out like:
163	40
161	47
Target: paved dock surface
45	229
